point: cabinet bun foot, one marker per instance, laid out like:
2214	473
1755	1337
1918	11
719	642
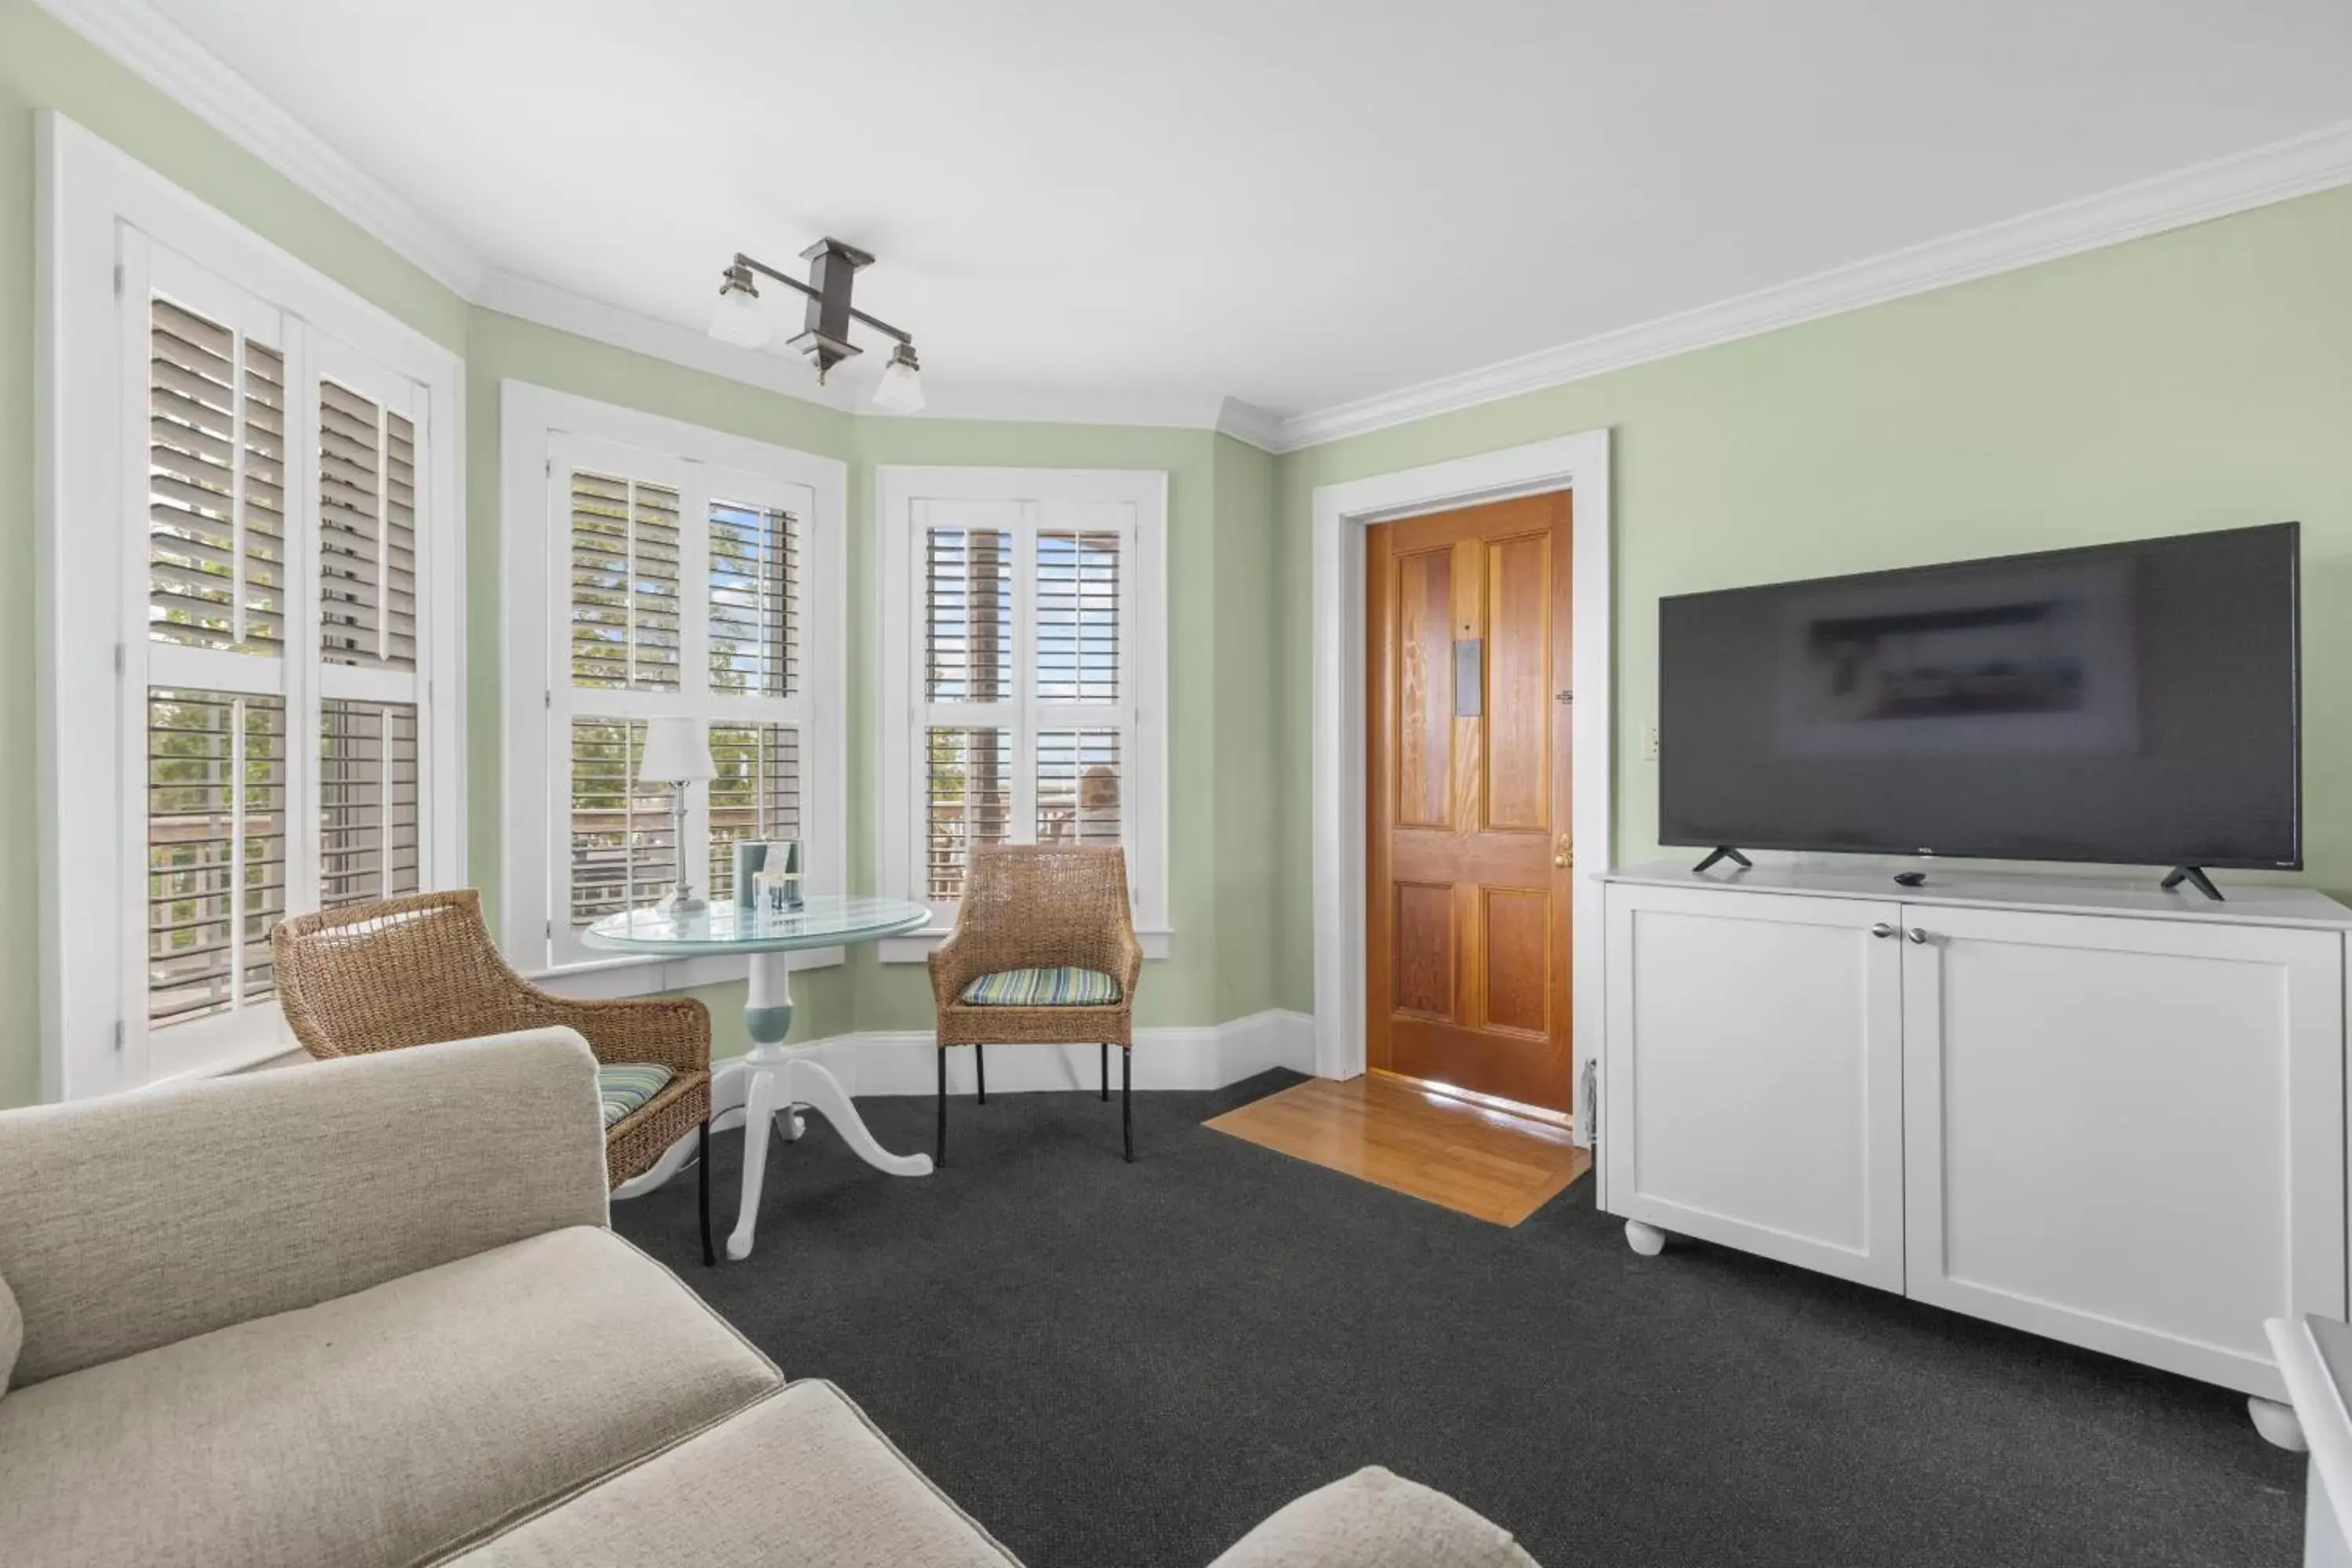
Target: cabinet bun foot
2277	1423
1649	1241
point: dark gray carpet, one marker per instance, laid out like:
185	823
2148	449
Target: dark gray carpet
1127	1366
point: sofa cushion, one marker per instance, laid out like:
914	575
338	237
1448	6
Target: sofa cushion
625	1089
1043	988
800	1480
380	1427
1376	1519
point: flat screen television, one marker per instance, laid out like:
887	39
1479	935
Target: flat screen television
2132	703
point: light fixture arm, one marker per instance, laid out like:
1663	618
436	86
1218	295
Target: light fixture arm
753	264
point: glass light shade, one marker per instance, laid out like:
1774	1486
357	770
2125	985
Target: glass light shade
739	318
901	391
678	750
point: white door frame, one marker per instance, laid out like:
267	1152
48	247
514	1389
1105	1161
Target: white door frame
1342	511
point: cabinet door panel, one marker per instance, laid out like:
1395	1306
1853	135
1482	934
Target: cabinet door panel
1753	1094
2129	1134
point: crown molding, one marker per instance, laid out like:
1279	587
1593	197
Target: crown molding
161	52
1246	422
511	294
2321	160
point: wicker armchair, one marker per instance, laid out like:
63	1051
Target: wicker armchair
1040	907
411	971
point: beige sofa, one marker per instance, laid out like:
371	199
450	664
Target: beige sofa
370	1311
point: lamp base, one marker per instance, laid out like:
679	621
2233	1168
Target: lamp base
680	900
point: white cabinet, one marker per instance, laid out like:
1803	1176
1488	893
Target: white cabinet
1758	1100
2109	1116
2125	1134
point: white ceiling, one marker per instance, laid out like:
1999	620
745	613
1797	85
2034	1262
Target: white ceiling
1296	202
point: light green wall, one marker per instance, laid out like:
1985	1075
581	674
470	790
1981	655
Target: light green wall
2198	379
45	64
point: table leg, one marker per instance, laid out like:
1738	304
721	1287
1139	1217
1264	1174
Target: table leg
781	1079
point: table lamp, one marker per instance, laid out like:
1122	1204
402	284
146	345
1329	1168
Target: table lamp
677	753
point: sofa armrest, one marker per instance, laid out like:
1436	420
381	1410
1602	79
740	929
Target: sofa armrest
1375	1518
144	1218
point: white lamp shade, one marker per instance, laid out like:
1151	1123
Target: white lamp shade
678	750
901	391
739	318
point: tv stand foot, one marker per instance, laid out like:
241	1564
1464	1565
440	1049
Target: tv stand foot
2196	878
1646	1239
2278	1424
1725	852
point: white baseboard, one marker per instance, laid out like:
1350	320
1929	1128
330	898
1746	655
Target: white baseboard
1195	1056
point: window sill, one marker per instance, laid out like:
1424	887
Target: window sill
917	948
607	980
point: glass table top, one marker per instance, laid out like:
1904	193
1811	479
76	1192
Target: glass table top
827	920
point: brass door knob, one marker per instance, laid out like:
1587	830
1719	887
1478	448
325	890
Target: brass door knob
1563	855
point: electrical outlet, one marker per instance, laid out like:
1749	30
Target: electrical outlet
1649	742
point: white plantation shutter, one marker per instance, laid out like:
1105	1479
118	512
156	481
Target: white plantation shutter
622	851
367	531
625	627
278	772
1027	723
677	589
368	822
217	466
754	601
216	799
757	794
240	443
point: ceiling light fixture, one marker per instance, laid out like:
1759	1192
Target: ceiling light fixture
738	318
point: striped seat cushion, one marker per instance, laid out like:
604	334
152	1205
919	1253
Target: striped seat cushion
625	1089
1043	988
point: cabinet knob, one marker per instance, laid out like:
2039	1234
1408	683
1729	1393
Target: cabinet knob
1882	929
1916	934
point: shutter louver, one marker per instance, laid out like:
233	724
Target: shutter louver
969	802
1078	787
217	786
968	615
623	854
755	603
757	794
216	503
625	583
367	532
367	802
1077	617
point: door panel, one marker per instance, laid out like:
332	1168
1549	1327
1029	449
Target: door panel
2127	1135
1755	1074
1469	859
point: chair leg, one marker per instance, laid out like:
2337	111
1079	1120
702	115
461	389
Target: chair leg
980	1068
940	1143
1126	1098
1103	1051
702	1184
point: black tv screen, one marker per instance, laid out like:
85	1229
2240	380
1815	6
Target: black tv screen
2134	704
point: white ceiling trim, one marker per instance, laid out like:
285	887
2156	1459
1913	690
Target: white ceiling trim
511	294
163	53
200	82
2319	161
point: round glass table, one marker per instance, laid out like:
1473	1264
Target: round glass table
780	1078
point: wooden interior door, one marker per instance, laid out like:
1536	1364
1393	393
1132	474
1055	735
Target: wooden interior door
1470	860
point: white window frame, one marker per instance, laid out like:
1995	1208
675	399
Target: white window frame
539	429
104	225
900	492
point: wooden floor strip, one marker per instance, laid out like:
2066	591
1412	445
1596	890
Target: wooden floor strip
1393	1133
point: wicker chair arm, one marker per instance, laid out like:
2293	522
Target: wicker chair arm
1130	961
952	968
673	1031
